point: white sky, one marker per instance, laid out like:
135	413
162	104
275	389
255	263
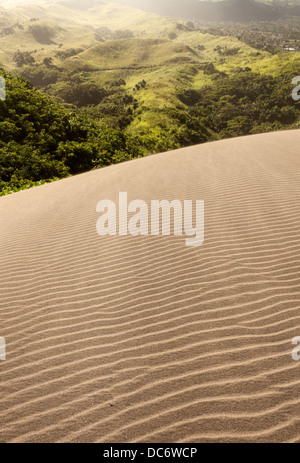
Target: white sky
12	3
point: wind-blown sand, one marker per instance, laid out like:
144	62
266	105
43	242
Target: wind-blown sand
142	339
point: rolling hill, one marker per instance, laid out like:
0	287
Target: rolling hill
159	81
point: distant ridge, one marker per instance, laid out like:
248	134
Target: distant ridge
193	10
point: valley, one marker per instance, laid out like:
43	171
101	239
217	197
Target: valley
165	83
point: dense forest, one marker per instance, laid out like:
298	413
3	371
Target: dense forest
40	140
272	36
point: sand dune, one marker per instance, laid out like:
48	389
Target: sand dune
142	339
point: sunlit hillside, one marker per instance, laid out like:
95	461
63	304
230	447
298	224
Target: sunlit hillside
165	82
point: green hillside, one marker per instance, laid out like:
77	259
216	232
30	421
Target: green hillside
154	83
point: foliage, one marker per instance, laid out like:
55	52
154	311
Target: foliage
41	140
23	58
82	94
243	104
42	33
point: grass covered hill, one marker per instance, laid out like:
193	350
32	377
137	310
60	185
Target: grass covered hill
42	140
117	83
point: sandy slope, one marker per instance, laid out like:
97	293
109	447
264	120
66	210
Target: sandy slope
124	339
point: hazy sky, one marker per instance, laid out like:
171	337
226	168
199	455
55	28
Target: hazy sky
11	3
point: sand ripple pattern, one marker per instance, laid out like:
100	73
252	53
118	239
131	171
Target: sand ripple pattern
142	339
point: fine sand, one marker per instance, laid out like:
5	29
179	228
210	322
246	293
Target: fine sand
143	339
